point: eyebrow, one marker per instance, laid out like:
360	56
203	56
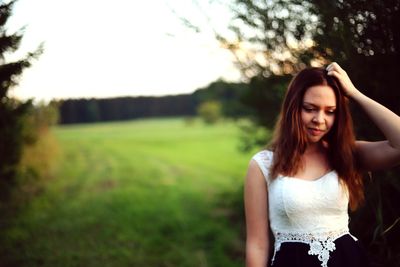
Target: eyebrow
311	104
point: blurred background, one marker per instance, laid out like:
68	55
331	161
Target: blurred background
126	127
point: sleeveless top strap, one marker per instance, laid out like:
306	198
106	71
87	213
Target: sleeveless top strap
264	161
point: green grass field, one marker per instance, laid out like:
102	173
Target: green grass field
156	192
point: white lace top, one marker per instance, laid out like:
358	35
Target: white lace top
308	211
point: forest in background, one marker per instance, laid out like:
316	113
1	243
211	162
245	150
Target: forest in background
228	95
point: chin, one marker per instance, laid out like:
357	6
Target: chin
314	139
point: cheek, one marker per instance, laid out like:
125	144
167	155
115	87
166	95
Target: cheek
330	121
305	117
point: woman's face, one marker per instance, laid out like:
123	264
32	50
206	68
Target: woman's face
318	111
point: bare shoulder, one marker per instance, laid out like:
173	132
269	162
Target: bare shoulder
254	174
377	155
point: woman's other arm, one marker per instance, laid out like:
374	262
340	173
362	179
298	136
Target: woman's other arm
256	210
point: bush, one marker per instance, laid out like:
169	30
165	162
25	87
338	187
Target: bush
210	111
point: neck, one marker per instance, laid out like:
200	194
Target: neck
314	148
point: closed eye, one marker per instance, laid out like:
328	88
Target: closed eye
308	109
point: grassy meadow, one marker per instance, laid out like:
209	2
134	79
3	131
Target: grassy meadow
154	192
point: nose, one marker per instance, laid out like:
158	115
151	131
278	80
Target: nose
319	117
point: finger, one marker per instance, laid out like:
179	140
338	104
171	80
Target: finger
334	73
337	67
332	66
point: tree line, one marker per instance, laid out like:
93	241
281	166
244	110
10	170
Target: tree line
229	96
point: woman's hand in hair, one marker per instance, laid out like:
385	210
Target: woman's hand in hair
340	74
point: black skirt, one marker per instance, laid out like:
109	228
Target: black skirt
348	253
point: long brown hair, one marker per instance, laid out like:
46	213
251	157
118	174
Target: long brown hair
290	141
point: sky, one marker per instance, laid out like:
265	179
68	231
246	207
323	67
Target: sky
99	48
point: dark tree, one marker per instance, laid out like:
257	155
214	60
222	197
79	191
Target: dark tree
12	111
271	37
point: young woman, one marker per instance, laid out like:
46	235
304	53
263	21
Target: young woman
301	187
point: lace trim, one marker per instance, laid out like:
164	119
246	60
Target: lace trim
321	244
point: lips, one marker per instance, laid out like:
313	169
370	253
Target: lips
316	131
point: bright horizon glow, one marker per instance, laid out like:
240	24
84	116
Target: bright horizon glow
120	48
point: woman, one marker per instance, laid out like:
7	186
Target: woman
302	187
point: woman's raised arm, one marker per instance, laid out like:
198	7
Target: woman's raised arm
373	155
